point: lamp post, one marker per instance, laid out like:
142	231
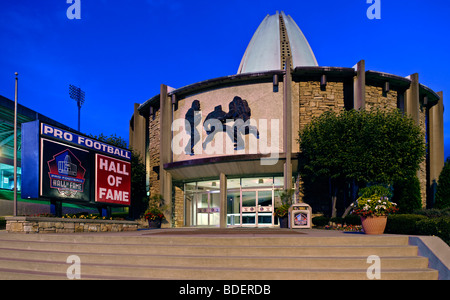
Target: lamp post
15	144
78	95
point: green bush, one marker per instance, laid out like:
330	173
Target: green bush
439	227
407	195
443	187
352	220
433	212
2	223
320	221
403	224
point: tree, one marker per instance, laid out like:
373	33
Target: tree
360	147
443	187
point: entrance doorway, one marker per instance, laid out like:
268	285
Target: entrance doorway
207	209
250	208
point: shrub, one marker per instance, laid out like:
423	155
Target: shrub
352	220
433	212
407	195
320	221
403	224
439	227
443	187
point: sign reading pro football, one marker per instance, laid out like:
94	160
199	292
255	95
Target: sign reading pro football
62	165
112	180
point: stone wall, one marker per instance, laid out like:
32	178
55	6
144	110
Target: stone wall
154	142
30	225
375	98
314	101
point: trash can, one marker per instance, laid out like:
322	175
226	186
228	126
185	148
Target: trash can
300	216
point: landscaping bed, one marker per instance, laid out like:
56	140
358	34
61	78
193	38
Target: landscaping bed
431	222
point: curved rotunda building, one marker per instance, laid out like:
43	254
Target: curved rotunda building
218	150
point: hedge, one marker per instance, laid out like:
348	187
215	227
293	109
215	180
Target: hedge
439	227
403	224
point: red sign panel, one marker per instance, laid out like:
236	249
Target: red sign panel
113	180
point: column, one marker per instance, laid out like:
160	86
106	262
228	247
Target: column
436	138
223	200
287	124
412	104
165	150
359	86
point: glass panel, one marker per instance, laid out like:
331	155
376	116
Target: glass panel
234	208
257	182
279	182
214	216
202	210
233	183
248	208
212	185
192	186
265	207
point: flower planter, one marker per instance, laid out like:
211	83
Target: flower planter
284	222
154	223
374	225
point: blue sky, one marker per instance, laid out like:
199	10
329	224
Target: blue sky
119	52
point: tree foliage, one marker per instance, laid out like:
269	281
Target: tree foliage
362	146
443	187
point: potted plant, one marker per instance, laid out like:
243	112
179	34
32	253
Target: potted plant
154	214
282	211
373	206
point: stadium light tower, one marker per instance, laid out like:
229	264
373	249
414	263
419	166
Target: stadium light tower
78	95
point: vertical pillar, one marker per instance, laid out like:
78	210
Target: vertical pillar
137	132
412	104
287	124
359	86
436	139
412	110
165	150
223	200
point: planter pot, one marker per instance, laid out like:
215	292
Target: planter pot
154	223
374	225
284	222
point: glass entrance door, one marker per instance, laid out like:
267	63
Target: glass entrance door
265	208
248	208
207	209
257	208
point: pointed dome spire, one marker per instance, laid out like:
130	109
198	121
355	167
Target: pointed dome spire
276	38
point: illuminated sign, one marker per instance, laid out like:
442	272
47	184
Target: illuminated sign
62	165
70	137
112	180
65	171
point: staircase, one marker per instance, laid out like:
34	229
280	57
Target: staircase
209	257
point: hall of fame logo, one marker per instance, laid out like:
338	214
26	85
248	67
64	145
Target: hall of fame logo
67	175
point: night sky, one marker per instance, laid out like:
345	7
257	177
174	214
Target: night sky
119	52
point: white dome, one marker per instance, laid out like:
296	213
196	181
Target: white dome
276	38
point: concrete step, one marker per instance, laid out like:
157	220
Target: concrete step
178	273
242	240
209	257
25	256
